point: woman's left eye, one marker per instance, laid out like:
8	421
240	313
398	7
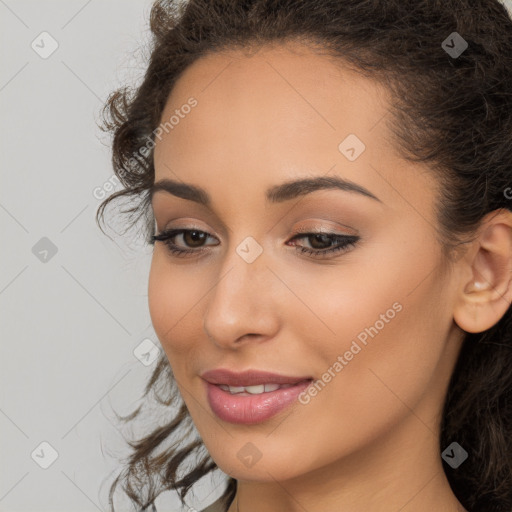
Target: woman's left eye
341	243
194	238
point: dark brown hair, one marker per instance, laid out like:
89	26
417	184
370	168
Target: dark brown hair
453	113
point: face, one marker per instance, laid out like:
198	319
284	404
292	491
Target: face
341	285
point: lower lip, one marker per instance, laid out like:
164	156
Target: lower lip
251	409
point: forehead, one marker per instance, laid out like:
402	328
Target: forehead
273	115
290	92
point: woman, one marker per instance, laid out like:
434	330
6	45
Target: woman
328	187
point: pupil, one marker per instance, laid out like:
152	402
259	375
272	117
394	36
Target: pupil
195	236
322	238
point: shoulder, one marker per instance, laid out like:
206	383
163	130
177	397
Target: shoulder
217	506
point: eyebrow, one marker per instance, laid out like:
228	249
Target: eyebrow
275	194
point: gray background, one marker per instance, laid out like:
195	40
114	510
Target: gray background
72	321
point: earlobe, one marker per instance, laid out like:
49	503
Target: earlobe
487	294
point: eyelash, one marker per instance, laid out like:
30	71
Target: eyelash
345	242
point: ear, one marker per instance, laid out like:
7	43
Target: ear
486	295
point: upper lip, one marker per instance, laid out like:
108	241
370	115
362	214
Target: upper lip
248	378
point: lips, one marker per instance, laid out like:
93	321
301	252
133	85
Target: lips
252	396
253	390
249	378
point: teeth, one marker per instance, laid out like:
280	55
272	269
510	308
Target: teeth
253	390
235	389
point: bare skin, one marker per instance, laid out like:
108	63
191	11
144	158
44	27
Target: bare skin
369	440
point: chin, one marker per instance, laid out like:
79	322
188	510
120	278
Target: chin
274	469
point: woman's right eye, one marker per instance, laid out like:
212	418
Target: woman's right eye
190	236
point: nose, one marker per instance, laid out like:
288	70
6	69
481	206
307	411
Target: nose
243	304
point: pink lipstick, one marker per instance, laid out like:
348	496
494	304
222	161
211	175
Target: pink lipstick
251	396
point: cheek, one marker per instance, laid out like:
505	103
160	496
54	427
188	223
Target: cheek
172	299
388	324
160	296
397	318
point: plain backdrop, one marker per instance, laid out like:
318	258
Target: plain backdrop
73	301
74	315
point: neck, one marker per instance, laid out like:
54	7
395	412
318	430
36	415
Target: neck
384	477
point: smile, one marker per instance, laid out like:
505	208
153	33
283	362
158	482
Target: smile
253	390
